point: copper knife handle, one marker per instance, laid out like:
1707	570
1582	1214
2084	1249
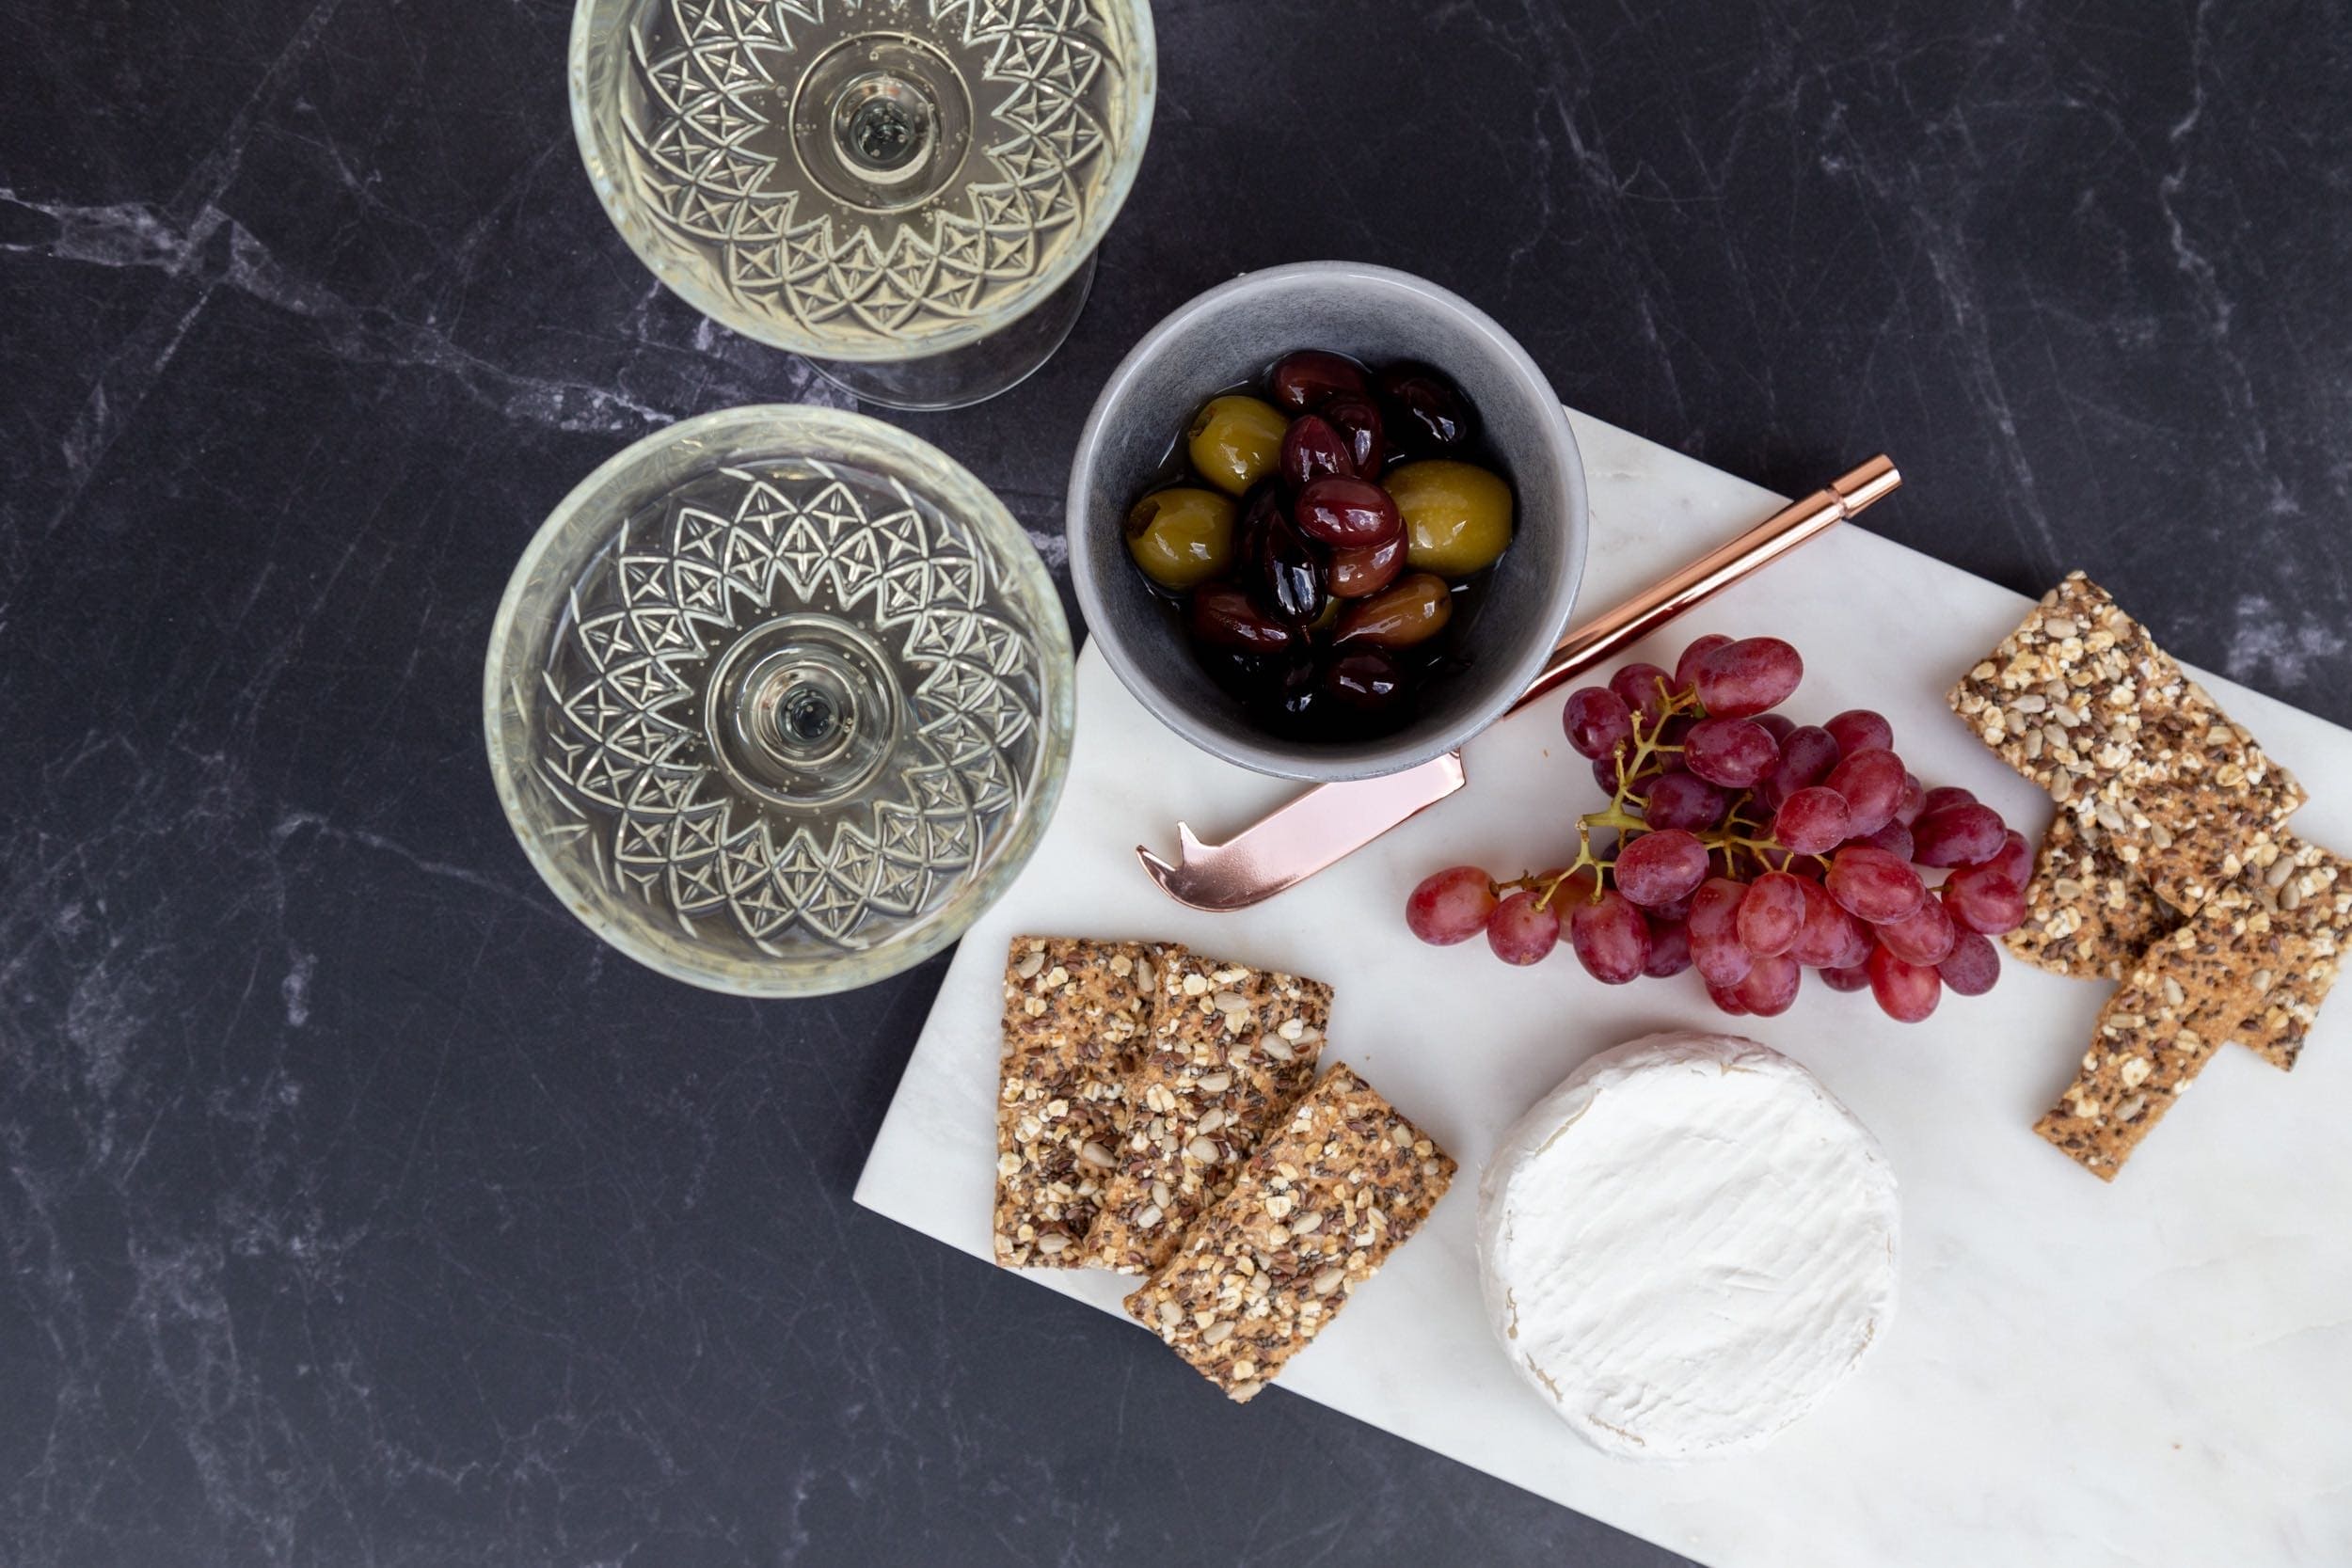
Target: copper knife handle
1710	574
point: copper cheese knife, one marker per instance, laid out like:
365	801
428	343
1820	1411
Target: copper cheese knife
1332	821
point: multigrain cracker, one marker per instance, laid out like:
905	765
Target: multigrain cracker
2080	700
1076	1016
1231	1048
2252	964
1343	1182
2087	913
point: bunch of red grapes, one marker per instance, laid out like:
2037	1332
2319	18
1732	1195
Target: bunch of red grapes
1752	849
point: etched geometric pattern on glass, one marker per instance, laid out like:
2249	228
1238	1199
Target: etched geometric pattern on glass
721	172
627	752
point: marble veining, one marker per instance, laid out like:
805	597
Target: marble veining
356	1207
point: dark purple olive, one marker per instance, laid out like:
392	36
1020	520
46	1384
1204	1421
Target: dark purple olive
1285	575
1364	680
1359	574
1311	449
1263	503
1290	698
1306	378
1220	615
1347	513
1239	676
1358	419
1425	410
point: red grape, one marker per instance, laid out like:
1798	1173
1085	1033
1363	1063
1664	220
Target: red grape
1674	909
1872	783
1597	721
1683	800
1687	667
1450	906
1662	866
1859	939
1829	934
1519	932
1961	834
1781	725
1948	795
1733	753
1643	687
1813	822
1922	937
1726	999
1858	729
1772	913
1855	978
1752	676
1906	992
1894	838
1716	950
2015	858
1806	755
1981	898
1669	949
1771	985
1610	937
1973	966
1914	801
1874	884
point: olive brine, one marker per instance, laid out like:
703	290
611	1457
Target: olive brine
1321	537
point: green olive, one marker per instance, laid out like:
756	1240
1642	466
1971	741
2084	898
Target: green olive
1183	537
1457	516
1235	441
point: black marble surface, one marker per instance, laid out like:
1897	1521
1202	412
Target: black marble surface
358	1206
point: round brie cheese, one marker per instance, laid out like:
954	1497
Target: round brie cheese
1687	1244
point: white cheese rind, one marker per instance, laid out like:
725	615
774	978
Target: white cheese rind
1687	1244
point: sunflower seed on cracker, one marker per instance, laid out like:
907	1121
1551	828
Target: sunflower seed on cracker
2128	741
2243	968
1343	1182
1216	1072
1076	1016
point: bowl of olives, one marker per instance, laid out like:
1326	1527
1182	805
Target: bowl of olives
1328	521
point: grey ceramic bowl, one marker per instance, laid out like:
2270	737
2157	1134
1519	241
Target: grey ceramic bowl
1231	335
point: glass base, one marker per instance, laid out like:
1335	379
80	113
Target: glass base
963	376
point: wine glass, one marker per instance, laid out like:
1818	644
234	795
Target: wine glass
778	699
907	192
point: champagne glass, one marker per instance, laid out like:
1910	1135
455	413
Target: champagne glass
907	192
778	699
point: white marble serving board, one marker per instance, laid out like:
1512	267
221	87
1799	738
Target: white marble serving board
2154	1372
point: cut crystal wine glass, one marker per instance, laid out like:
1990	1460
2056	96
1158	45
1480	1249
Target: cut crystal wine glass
909	191
779	700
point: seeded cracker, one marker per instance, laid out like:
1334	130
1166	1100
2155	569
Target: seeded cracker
1231	1048
2253	965
1076	1016
2080	700
1343	1182
2087	913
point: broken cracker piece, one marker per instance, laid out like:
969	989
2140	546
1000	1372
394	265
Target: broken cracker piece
1344	1182
1231	1048
2086	912
2080	700
2252	964
1077	1015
